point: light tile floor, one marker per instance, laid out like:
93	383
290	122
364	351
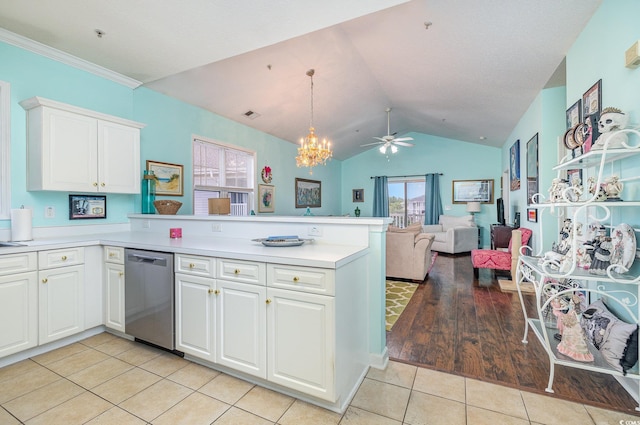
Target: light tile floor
109	380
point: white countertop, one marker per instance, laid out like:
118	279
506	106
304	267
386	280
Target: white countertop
310	254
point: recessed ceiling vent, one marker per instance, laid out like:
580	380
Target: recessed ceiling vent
251	115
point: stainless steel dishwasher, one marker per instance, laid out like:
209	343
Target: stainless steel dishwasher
149	299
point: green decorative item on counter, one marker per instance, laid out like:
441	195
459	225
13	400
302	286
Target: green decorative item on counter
148	192
357	211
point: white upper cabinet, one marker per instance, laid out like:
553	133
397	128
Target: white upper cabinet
74	149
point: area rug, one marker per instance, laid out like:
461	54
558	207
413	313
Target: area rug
398	296
510	286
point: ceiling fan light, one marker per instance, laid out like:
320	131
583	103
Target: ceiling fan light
394	149
383	149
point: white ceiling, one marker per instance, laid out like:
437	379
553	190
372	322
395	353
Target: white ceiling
472	73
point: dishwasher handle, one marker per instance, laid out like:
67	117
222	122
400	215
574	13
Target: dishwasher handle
138	258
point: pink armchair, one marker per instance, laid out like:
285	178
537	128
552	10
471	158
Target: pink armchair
501	259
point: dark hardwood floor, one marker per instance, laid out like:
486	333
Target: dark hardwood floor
465	326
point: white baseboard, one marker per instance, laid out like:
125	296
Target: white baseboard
379	361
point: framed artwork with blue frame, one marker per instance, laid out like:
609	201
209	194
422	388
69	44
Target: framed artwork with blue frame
514	166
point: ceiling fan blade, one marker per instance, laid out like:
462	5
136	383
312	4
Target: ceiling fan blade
402	143
371	144
382	139
403	139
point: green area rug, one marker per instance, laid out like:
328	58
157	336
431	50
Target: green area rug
398	296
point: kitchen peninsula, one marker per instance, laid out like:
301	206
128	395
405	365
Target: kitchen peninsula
316	311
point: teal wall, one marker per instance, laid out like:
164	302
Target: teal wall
170	126
455	159
598	53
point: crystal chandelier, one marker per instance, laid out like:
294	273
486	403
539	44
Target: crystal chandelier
311	152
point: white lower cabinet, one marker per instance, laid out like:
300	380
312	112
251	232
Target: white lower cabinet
61	303
241	327
301	342
114	299
114	287
195	315
60	294
18	303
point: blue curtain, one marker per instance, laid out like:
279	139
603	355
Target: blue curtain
381	197
432	201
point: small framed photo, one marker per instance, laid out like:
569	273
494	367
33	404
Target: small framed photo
532	215
308	193
592	100
266	198
169	178
574	114
358	195
86	206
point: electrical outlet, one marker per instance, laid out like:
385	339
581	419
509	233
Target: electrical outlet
314	231
447	207
49	212
216	227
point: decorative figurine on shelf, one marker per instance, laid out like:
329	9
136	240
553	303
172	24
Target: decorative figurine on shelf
602	257
612	187
600	233
576	190
357	212
556	190
611	120
591	187
574	342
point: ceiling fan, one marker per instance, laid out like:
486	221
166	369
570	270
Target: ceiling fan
390	141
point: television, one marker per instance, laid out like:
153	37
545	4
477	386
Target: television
500	210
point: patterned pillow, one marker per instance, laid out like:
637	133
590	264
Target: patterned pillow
607	333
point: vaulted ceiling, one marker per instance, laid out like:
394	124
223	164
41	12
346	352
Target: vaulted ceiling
460	69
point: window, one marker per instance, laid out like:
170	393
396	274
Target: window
406	201
222	171
5	157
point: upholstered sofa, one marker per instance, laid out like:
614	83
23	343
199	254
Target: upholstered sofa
408	253
453	234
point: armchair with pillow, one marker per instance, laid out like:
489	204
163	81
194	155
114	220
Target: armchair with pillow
453	234
408	252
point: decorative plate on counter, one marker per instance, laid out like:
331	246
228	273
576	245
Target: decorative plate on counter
623	238
282	241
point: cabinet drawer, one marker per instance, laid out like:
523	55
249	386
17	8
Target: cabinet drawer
195	265
114	254
18	263
242	271
60	258
306	279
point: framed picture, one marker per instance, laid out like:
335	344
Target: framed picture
574	114
463	191
308	193
169	178
514	166
532	215
532	169
87	206
358	195
592	100
266	198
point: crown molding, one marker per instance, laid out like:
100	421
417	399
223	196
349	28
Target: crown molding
65	58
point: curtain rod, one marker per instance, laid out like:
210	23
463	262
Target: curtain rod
411	175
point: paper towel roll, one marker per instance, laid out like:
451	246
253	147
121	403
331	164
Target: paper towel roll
21	224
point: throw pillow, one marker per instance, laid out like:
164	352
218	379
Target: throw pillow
607	333
413	228
630	352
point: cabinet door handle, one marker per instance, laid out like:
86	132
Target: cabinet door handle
191	265
95	184
268	301
64	258
112	254
211	291
45	280
121	274
217	292
102	184
236	271
296	279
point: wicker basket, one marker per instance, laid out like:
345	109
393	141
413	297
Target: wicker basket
167	207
